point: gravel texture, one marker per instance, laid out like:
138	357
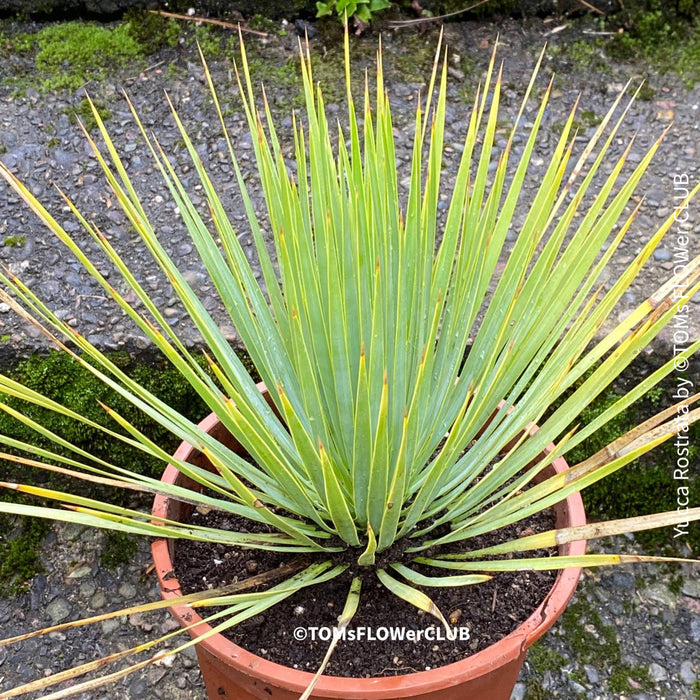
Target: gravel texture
44	148
629	633
650	616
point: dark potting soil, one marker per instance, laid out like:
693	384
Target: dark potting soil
296	631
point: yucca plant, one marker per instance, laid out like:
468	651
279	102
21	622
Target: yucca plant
405	364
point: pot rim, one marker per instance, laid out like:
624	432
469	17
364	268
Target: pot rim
484	661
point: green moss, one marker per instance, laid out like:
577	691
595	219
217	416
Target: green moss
645	485
13	42
66	381
589	55
619	681
19	551
675	582
601	649
655	35
213	40
590	118
83	112
62	379
262	24
70	54
541	659
152	31
536	691
578	676
119	548
14	241
646	93
666	35
587	119
73	53
274	74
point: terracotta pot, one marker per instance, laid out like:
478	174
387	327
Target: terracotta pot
230	671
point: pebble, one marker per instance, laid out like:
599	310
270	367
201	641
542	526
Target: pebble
659	593
691	588
110	625
98	601
79	571
127	590
695	630
87	589
139	688
662	254
58	610
519	692
687	673
657	673
591	674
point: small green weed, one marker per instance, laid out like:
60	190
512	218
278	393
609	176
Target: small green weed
262	24
83	112
589	55
363	10
14	241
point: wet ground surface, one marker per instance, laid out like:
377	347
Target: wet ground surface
645	621
45	148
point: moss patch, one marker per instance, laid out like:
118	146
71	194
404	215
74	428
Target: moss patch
667	34
644	486
67	55
19	551
119	548
83	112
663	35
595	643
151	31
620	679
541	659
73	53
535	691
14	241
64	380
601	649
